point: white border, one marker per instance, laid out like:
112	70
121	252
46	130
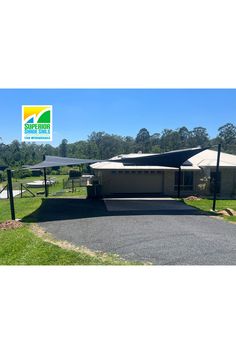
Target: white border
126	43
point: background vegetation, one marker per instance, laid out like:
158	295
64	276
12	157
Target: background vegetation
101	145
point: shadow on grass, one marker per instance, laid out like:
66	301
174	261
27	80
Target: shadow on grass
65	209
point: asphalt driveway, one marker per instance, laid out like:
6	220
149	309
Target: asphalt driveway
157	231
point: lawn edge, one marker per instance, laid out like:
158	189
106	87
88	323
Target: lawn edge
212	214
38	231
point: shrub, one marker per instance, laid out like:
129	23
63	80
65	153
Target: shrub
55	172
74	173
2	176
22	173
64	170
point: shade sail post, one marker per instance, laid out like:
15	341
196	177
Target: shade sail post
216	177
10	193
45	182
179	181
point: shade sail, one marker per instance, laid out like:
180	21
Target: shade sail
56	161
167	159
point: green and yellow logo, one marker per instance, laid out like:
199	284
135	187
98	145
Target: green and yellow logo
36	123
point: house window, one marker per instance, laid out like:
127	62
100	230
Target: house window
212	182
186	180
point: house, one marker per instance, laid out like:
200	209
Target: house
197	176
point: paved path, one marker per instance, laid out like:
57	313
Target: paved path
157	231
16	192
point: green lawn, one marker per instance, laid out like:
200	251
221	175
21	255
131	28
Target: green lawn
23	207
206	205
22	247
26	205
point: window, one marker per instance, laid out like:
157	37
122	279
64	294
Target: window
212	182
186	180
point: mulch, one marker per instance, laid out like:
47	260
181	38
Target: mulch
10	224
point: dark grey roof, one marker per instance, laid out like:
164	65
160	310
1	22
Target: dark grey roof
168	159
55	161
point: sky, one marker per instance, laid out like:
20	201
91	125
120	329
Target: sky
78	112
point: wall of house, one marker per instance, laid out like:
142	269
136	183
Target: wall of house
164	183
169	184
202	182
228	182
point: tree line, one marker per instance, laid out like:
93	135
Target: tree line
101	145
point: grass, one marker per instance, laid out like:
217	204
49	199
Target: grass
23	207
23	247
28	204
206	205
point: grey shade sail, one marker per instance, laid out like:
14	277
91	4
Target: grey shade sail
168	159
56	161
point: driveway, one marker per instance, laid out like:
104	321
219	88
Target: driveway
149	230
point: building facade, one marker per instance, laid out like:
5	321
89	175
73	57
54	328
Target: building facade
197	177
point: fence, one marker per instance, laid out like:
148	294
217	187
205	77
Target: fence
59	188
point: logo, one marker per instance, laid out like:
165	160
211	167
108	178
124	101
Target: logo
36	123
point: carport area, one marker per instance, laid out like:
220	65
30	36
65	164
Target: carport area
160	231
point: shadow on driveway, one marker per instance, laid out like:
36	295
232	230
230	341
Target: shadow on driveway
66	208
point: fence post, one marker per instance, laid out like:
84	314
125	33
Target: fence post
21	190
72	186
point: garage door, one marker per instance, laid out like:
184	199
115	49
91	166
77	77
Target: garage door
128	182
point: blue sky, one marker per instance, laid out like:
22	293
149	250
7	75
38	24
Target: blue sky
78	112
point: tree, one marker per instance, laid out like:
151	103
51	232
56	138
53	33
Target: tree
143	140
63	148
107	145
128	144
199	136
184	135
227	135
101	145
169	140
